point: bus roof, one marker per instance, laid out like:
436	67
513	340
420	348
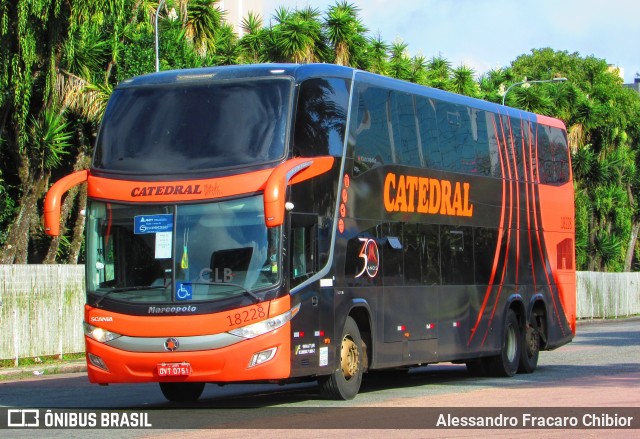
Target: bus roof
300	72
297	71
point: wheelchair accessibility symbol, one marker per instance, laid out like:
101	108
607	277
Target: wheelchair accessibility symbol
184	291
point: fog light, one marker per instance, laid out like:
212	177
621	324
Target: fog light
262	357
97	362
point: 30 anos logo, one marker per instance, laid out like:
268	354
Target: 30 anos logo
371	257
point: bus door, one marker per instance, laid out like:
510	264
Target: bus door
306	242
410	301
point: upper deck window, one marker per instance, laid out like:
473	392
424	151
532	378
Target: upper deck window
321	117
194	126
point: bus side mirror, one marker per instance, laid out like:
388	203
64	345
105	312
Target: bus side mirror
294	171
52	202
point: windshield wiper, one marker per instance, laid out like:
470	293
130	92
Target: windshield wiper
133	288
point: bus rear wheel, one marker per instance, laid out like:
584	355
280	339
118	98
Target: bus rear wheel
182	392
530	348
344	383
506	364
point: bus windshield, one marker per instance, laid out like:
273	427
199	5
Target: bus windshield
173	253
193	126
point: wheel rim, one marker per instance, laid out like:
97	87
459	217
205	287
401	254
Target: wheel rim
512	343
532	342
349	358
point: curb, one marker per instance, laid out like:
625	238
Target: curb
586	322
42	370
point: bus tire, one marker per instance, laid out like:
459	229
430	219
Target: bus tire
530	348
506	364
182	392
344	383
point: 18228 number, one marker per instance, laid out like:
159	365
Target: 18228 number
246	316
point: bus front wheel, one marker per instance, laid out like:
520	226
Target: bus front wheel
182	392
344	383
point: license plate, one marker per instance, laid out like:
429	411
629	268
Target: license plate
174	369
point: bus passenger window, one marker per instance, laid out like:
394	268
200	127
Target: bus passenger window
426	114
456	246
321	117
480	133
370	129
450	135
553	156
404	128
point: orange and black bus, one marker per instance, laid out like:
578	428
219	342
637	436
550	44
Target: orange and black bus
279	223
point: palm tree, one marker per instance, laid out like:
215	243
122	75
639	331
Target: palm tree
377	54
438	72
228	51
399	62
463	82
253	39
418	70
204	19
344	31
529	98
297	37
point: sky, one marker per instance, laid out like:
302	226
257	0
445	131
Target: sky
486	34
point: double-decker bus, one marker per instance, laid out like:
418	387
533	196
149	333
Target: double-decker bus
279	223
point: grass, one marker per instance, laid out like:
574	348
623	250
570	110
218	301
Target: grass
42	360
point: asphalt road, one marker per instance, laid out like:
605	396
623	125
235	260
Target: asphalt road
600	368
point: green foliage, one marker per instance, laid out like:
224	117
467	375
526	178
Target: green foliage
583	213
463	82
50	139
602	119
61	60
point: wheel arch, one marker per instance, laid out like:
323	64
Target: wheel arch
537	310
516	304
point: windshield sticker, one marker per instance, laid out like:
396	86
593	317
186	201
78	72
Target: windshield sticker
152	223
184	291
163	245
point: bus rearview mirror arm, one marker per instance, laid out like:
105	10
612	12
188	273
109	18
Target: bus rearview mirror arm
292	171
52	202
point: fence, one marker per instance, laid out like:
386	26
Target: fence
41	306
41	310
608	295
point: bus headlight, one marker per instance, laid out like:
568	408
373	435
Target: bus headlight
271	324
99	334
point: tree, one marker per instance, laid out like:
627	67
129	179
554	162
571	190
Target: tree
377	55
438	72
30	36
344	31
399	62
297	37
602	119
203	20
59	64
253	40
463	82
